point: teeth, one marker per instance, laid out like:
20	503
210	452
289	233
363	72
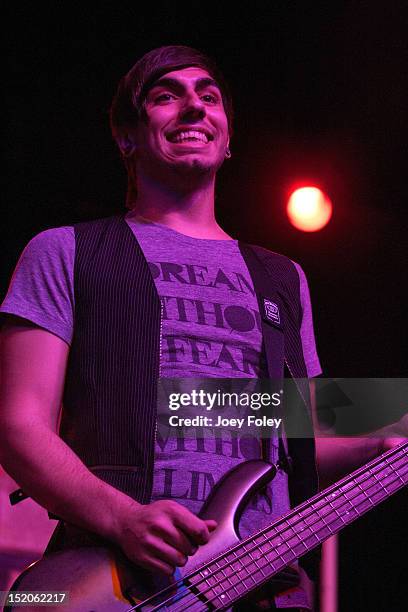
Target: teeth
190	135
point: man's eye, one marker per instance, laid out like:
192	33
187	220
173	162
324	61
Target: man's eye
164	97
210	98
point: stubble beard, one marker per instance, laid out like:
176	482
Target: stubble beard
183	174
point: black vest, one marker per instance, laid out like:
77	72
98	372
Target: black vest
109	405
111	383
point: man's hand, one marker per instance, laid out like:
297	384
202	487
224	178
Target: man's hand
389	443
161	536
397	433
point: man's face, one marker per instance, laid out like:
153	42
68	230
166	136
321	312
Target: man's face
186	127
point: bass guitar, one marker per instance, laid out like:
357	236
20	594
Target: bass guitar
227	569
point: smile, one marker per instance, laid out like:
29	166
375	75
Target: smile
189	136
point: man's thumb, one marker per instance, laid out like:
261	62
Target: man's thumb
211	524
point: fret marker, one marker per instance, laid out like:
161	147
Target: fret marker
222	596
205	573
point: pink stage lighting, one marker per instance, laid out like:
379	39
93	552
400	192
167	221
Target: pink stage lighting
309	209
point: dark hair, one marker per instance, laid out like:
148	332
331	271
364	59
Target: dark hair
128	104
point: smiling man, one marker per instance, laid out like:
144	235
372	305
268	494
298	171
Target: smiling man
180	140
200	143
96	312
174	152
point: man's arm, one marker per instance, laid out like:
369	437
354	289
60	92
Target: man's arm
339	456
32	366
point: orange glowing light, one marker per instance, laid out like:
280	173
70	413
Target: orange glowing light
309	209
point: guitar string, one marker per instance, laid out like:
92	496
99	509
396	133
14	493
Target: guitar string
230	585
194	598
180	582
305	506
217	583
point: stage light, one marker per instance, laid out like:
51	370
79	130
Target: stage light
309	209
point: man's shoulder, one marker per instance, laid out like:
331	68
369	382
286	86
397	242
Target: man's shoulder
51	239
101	222
60	241
264	252
277	261
92	231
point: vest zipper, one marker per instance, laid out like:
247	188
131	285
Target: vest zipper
160	361
161	334
155	422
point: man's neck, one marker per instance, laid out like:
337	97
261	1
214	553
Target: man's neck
188	211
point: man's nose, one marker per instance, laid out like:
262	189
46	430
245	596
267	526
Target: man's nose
193	107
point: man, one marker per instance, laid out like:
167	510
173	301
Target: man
85	324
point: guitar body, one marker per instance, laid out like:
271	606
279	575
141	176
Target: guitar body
89	576
227	569
99	579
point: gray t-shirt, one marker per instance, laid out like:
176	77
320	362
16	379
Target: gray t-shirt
211	328
42	291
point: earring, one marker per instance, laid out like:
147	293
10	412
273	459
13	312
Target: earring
227	153
127	146
128	150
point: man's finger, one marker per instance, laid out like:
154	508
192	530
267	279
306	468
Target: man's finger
211	524
195	528
157	565
179	540
163	551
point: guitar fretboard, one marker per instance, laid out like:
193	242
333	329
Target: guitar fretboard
255	560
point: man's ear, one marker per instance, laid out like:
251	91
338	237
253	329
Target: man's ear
127	145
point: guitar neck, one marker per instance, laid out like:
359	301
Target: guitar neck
256	559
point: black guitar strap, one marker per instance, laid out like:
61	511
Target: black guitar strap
271	313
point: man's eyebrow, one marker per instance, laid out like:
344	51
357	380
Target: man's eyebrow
206	82
200	84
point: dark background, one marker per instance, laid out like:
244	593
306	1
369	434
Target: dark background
320	95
